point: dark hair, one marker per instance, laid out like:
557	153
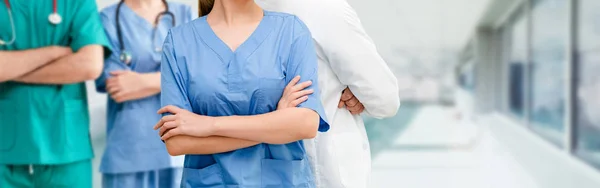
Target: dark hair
204	7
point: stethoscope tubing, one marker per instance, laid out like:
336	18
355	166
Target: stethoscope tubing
156	21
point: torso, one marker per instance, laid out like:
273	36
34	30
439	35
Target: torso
130	138
247	81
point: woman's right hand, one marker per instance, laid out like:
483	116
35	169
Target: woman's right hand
294	93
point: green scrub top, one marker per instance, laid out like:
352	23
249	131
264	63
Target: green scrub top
47	124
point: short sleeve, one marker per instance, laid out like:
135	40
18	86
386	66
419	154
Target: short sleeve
86	28
303	62
112	63
174	78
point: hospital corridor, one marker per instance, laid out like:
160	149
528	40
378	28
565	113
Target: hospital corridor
493	93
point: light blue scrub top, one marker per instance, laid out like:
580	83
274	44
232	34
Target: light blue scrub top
201	74
131	144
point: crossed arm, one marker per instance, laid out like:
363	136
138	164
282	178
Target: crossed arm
236	132
51	65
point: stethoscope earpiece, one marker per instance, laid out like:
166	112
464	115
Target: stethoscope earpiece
125	57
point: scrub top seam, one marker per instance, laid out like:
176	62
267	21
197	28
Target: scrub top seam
204	42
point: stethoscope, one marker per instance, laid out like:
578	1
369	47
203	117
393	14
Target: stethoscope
54	18
125	56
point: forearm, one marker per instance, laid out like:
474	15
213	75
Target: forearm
278	127
181	145
84	65
152	84
14	64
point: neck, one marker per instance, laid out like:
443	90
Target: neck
144	4
235	11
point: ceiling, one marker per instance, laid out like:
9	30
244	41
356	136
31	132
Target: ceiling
420	24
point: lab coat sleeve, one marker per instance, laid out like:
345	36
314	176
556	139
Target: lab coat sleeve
112	63
354	59
303	62
174	78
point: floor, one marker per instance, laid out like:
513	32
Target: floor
438	149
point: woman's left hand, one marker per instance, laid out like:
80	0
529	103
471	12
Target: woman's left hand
183	122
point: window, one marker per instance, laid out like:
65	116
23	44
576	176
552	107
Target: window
467	76
547	73
588	86
517	60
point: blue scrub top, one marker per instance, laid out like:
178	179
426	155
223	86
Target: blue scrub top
131	144
201	74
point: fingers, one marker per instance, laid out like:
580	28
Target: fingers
171	133
299	94
301	86
112	90
169	109
163	120
352	102
120	96
167	126
292	83
298	101
356	109
346	95
341	104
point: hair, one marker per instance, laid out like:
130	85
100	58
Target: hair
204	7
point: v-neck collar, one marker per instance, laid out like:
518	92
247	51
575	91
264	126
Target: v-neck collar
245	49
139	19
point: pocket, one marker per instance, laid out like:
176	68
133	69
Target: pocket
76	124
285	173
206	177
9	120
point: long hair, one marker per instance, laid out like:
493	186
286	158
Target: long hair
204	7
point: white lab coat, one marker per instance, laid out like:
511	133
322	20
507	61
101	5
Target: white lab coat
347	58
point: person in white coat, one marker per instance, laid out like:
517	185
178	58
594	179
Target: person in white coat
348	63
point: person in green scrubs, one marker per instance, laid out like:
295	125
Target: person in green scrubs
44	121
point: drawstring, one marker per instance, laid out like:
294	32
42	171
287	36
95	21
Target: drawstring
156	180
31	171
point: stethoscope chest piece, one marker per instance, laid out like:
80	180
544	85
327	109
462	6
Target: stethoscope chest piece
55	18
125	58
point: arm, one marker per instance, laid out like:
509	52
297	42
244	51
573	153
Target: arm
128	85
174	92
182	144
86	64
112	63
14	64
293	95
353	57
278	127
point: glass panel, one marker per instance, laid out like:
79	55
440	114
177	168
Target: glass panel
547	76
588	86
467	76
516	65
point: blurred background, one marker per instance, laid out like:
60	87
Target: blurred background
496	93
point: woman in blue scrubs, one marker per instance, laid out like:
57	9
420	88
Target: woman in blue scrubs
134	157
227	105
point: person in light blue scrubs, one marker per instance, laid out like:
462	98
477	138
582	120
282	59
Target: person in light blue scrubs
134	155
225	99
